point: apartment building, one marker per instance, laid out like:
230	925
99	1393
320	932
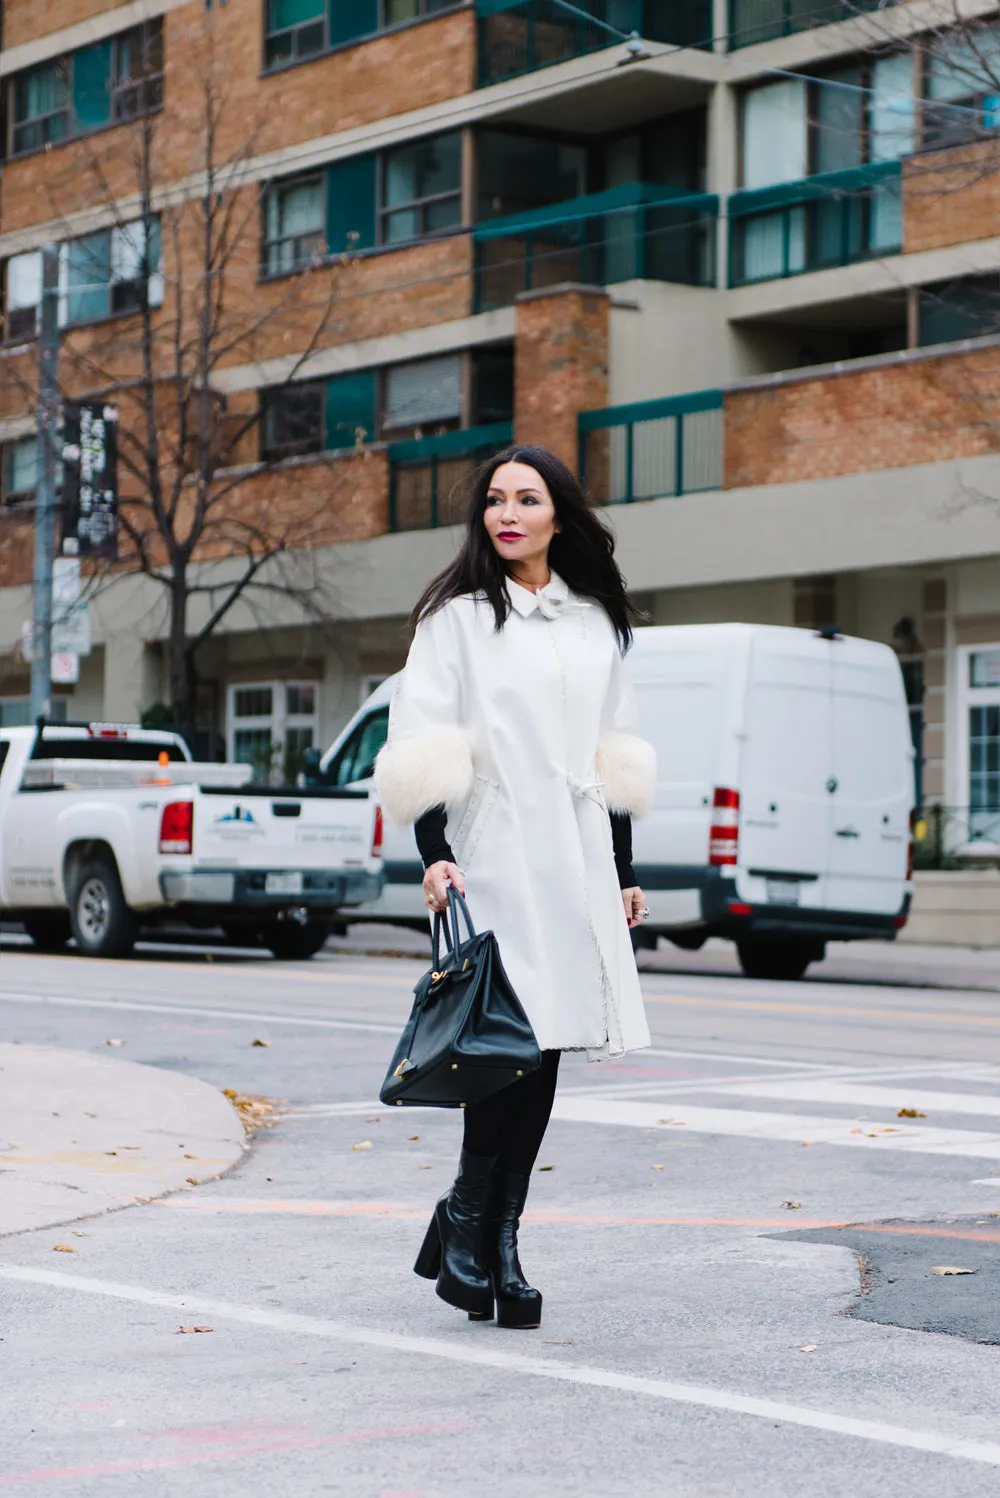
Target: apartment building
737	258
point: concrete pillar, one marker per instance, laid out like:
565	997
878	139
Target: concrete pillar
560	364
722	164
720	25
130	678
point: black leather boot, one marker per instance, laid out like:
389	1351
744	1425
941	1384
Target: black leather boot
452	1250
517	1304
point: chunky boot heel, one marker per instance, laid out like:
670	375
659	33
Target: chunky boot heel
482	1315
519	1306
428	1263
459	1223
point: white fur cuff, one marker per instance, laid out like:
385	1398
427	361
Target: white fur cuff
626	767
414	774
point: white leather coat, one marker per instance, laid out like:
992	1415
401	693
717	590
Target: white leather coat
528	736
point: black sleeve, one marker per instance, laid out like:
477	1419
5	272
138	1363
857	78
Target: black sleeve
432	844
621	841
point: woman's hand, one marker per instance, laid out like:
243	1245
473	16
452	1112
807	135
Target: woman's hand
635	906
436	881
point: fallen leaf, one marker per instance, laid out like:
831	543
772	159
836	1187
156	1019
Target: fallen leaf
413	1138
255	1112
425	1167
910	1113
807	1144
545	1167
862	1117
114	1042
192	1180
264	1043
111	1152
182	1330
365	1144
62	1248
952	1269
792	1206
375	1118
857	1131
809	1347
190	1157
269	1178
656	1167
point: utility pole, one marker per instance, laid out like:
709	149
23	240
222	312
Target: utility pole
45	489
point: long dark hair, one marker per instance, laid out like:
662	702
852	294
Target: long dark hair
582	550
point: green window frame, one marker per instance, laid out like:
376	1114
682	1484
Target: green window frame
420	189
314	416
294	223
41	108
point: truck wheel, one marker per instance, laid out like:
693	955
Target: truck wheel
784	962
292	942
49	930
241	933
103	925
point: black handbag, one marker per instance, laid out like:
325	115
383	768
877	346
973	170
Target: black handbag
467	1035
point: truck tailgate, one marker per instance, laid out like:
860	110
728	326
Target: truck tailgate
258	827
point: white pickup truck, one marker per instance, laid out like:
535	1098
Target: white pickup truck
106	829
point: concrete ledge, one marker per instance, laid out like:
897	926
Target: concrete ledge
83	1134
959	908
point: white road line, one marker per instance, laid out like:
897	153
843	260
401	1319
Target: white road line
781	1087
737	1060
820	1090
799	1128
253	1016
484	1356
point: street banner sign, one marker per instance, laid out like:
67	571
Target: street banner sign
90	480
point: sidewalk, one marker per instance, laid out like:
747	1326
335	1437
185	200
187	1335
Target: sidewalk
83	1134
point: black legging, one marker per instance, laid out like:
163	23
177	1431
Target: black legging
512	1123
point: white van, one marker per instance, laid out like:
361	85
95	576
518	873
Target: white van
784	797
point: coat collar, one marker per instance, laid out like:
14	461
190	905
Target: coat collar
548	601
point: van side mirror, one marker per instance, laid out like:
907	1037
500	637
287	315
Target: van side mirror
310	766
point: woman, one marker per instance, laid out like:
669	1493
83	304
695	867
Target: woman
512	736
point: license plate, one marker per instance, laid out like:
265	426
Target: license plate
783	891
283	884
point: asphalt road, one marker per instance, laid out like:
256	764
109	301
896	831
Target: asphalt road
712	1326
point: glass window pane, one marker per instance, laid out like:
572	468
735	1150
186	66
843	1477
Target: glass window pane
838	124
252	702
422	170
965	65
293	420
24	280
88	273
519	172
446	214
774	133
252	746
401	225
398	11
284	13
892	108
302	208
300	698
23	469
984	670
45	91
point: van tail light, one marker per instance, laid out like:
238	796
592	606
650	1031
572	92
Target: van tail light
724	834
909	847
378	834
177	827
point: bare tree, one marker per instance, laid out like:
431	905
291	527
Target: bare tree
193	516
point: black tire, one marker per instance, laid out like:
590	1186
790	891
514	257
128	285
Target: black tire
49	930
782	962
102	923
242	933
292	942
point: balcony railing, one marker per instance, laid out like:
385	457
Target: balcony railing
517	36
653	449
759	20
638	231
834	218
429	476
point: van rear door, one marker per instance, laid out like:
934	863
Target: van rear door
786	766
873	774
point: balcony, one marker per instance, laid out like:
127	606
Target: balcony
653	449
761	20
429	476
518	36
638	231
834	218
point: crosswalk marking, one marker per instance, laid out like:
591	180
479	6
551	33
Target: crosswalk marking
860	1094
789	1127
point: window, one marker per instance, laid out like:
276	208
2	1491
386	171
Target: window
20	470
23	298
318	416
271	725
979	686
296	29
292	421
110	272
962	87
295	224
518	172
397	12
953	310
421	189
41	108
356	759
426	392
117	79
137	83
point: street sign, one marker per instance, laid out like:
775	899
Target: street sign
90	480
65	668
71	631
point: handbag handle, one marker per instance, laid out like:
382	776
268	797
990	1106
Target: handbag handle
449	925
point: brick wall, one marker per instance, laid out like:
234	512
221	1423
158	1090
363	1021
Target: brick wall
884	417
951	196
27	20
560	364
